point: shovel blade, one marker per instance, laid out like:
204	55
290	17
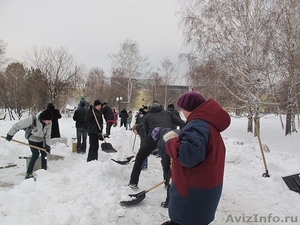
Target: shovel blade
137	198
130	157
107	147
293	182
121	162
124	162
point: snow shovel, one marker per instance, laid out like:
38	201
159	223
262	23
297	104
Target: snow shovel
106	147
38	148
128	159
125	162
293	182
137	198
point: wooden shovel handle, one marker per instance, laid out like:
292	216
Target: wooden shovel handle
23	143
260	143
98	124
155	186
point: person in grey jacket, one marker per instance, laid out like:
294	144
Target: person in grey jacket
38	133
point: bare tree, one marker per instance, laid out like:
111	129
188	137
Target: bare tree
2	54
287	56
57	69
153	87
130	65
97	85
36	91
237	35
169	73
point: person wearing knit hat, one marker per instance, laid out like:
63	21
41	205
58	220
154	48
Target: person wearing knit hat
38	133
190	100
46	115
94	129
97	102
83	100
198	159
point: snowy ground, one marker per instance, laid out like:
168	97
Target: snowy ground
73	191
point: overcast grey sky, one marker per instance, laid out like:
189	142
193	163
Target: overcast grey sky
91	29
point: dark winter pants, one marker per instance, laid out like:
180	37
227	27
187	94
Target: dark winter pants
94	146
108	127
143	138
165	162
81	145
35	156
146	149
123	123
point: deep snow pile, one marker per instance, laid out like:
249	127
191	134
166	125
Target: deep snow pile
73	191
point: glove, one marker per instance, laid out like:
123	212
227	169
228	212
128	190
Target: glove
48	148
91	107
154	132
8	137
171	134
100	136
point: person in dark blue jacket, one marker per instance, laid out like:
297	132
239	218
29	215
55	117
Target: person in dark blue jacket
81	127
198	159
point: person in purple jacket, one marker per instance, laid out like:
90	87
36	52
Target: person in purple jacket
198	159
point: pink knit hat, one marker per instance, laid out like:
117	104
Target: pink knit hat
190	100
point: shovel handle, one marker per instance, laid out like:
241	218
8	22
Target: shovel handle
156	185
23	143
98	124
261	148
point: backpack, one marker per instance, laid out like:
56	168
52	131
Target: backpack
28	130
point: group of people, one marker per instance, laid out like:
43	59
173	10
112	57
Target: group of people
125	118
193	156
89	122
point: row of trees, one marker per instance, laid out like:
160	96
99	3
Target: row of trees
243	53
51	74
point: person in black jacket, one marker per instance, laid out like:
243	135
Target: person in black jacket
155	117
172	109
123	115
94	129
81	127
108	116
56	115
